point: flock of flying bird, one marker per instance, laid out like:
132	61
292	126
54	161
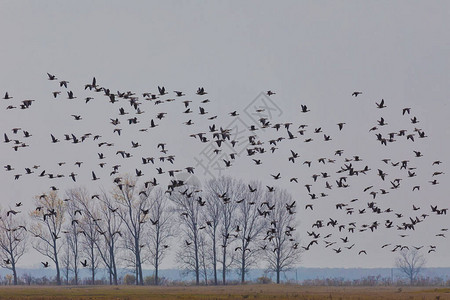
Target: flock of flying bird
327	174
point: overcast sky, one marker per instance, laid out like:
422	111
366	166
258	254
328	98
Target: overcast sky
315	53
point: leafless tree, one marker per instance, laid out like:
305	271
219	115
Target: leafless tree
203	257
212	216
222	196
87	226
66	261
108	225
188	210
133	202
281	246
13	236
251	221
73	232
160	230
411	263
48	219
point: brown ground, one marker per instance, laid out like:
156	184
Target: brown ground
225	292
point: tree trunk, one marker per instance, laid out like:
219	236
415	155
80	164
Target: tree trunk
157	254
197	267
243	267
278	267
136	275
139	275
224	266
92	265
215	260
58	273
14	273
157	265
113	265
76	273
136	260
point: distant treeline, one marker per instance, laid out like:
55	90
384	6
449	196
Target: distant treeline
302	276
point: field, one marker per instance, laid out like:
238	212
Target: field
221	292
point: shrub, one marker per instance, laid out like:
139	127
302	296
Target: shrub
129	279
149	280
263	280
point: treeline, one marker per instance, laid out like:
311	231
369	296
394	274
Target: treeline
378	281
226	224
130	279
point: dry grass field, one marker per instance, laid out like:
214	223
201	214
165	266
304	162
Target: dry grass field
221	292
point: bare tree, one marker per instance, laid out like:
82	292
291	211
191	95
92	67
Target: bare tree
48	219
108	225
88	227
410	262
13	238
73	233
66	261
222	196
133	203
189	211
281	247
249	225
161	229
212	216
203	257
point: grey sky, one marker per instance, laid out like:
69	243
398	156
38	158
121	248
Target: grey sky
308	52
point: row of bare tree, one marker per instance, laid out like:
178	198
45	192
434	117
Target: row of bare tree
227	224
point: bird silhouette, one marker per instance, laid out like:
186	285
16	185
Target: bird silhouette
94	177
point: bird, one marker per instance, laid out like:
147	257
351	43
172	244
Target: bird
162	90
355	94
63	83
51	77
382	122
70	95
45	264
94	177
304	108
201	91
7	96
12	212
381	104
278	176
54	140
